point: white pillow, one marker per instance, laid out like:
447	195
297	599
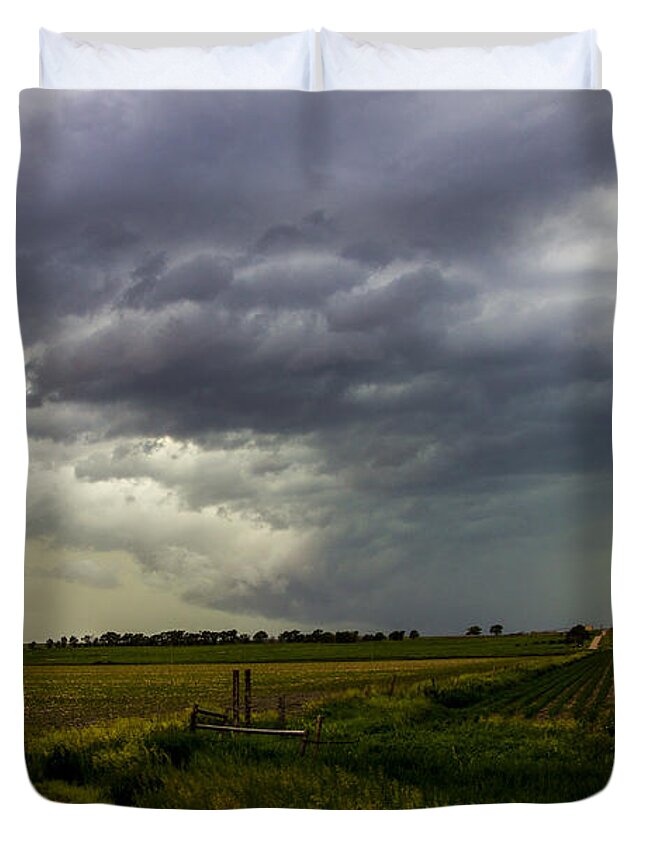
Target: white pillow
286	62
567	62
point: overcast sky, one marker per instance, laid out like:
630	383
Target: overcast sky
335	360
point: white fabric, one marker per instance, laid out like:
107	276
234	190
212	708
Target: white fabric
287	62
567	62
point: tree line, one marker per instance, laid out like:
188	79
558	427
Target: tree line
218	638
577	635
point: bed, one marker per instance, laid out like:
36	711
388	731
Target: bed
321	368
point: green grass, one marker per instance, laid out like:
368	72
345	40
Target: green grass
420	649
75	696
413	749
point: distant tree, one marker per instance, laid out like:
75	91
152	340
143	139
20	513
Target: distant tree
73	641
230	636
210	638
577	635
379	636
474	631
260	637
496	630
346	636
63	642
292	636
414	634
396	635
32	645
50	643
176	637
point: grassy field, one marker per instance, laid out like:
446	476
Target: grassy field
424	647
536	730
75	696
409	732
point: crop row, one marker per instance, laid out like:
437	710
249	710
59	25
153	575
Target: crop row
600	707
575	688
582	684
571	680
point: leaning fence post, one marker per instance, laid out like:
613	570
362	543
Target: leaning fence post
247	697
236	697
193	717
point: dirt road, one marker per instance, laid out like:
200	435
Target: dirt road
593	645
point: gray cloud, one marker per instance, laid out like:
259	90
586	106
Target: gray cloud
369	337
199	279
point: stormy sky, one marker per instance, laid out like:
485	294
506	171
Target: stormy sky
337	360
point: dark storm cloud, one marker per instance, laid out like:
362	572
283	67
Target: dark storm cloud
359	357
104	238
200	279
418	289
179	167
369	252
119	160
294	281
417	300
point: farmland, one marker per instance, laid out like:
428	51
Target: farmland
75	696
412	732
421	649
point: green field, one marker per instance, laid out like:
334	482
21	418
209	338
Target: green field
400	733
425	647
75	696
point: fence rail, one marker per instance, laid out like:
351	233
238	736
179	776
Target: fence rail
242	730
216	714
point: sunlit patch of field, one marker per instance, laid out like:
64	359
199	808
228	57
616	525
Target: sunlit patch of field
76	696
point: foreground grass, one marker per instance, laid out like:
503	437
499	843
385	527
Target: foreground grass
409	750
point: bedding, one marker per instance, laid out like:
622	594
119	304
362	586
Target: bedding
318	385
566	62
286	62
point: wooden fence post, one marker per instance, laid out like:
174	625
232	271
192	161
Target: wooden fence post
319	722
236	697
304	742
193	717
391	688
247	697
282	711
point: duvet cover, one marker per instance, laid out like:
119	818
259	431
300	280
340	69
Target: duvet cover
319	415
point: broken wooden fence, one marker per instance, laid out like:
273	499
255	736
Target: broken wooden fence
223	725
